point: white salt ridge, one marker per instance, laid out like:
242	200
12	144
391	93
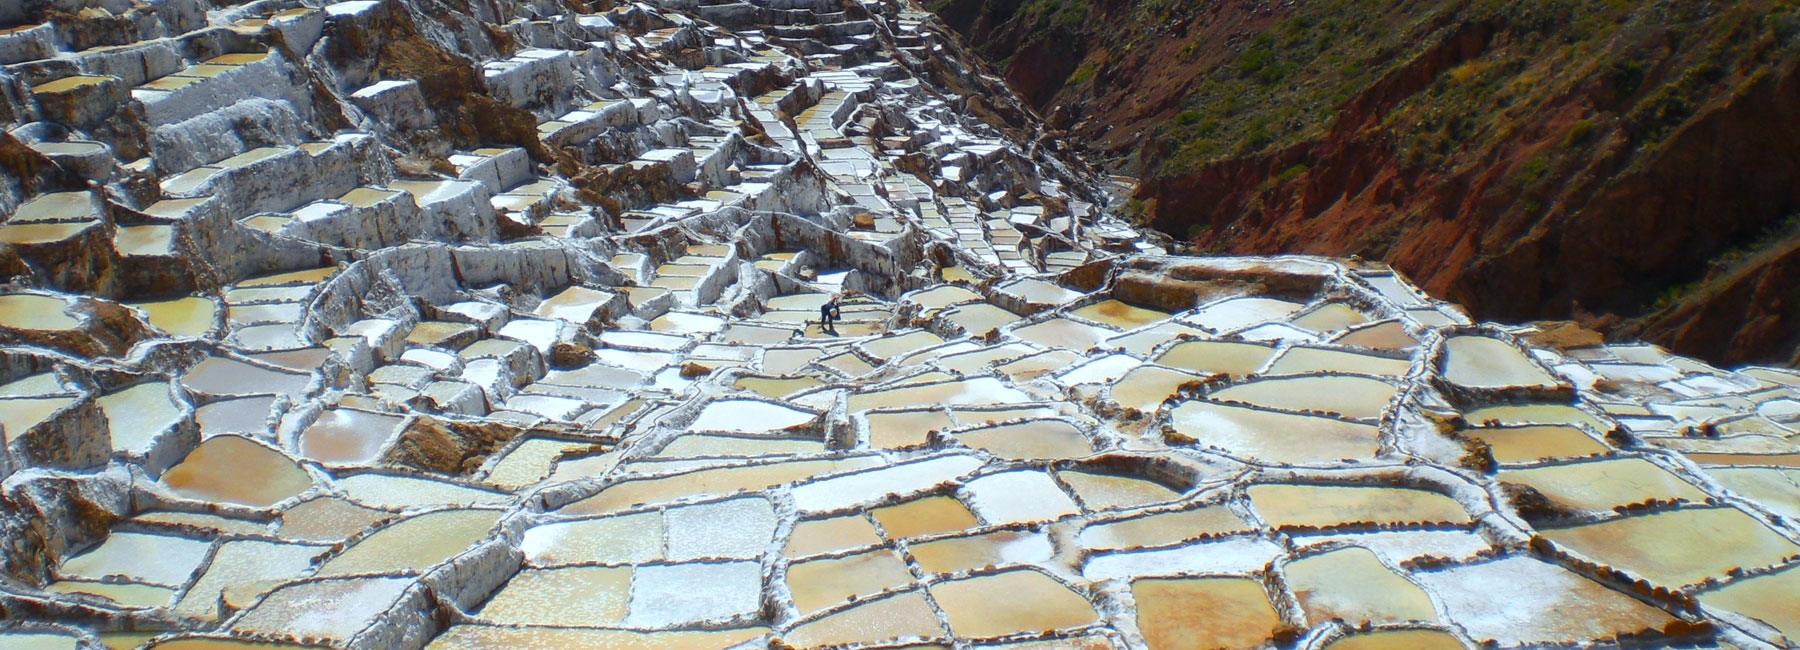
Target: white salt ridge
330	609
1029	548
667	595
1239	312
1705	386
1647	374
11	640
352	8
434	359
645	340
245	561
676	322
1523	601
1400	546
748	416
386	491
156	559
1278	332
737	529
1394	289
549	406
1016	497
1235	556
1483	362
540	334
1781	409
670	380
1102	370
137	414
609	540
865	487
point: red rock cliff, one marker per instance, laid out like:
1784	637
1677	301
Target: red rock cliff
1630	167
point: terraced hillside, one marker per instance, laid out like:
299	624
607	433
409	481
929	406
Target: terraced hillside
1624	164
400	324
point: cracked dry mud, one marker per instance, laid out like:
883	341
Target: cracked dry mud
316	341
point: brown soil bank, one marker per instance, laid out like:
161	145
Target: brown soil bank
1632	165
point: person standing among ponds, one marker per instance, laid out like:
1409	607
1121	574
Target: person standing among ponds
829	315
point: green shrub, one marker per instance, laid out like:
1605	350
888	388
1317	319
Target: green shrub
1673	294
1261	62
1073	15
1581	133
1258	134
1625	77
1531	170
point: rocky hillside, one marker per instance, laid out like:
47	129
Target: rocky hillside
1626	164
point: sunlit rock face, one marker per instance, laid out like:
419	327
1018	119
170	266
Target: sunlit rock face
417	324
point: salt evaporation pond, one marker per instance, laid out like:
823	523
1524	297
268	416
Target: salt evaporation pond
320	394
